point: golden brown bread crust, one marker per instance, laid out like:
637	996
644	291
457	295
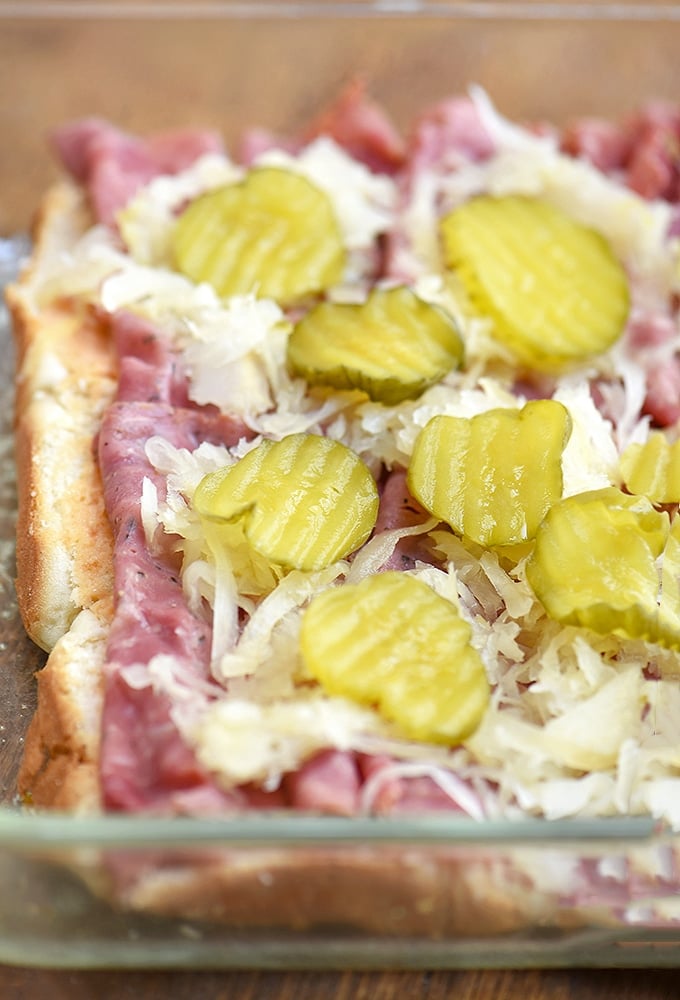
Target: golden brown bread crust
60	764
65	377
435	893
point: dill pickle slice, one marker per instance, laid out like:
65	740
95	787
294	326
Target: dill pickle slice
304	501
669	604
274	234
392	642
393	346
594	563
492	477
653	469
553	288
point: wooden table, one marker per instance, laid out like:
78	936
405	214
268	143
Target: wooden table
26	984
146	74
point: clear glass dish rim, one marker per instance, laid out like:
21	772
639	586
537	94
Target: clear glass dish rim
28	830
473	10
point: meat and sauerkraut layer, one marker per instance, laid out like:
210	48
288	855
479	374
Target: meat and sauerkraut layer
277	458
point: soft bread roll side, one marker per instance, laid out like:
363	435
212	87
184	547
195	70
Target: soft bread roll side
435	892
65	377
60	764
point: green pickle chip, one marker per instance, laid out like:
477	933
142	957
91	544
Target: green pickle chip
596	564
492	477
392	346
653	469
553	288
669	603
274	234
393	642
304	501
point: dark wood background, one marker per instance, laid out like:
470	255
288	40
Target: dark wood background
27	984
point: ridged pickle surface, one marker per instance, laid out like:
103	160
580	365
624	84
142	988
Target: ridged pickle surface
392	642
554	289
304	501
393	346
595	564
652	468
669	603
492	477
274	234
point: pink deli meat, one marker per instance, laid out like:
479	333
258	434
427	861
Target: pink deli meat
145	764
114	165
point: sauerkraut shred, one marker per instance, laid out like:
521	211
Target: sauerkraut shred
578	724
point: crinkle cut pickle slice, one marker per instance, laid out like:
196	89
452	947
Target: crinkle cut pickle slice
393	346
556	293
595	565
393	642
652	468
305	501
492	477
274	234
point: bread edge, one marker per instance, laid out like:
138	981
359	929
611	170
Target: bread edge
65	374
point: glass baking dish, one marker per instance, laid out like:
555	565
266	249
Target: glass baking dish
307	891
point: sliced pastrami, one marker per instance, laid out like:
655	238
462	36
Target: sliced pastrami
144	762
389	789
113	165
357	124
363	129
654	341
604	144
653	168
329	782
643	151
447	135
148	367
398	509
662	402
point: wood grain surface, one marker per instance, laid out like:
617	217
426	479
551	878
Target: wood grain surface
25	984
146	74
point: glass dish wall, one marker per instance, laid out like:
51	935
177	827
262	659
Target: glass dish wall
295	890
